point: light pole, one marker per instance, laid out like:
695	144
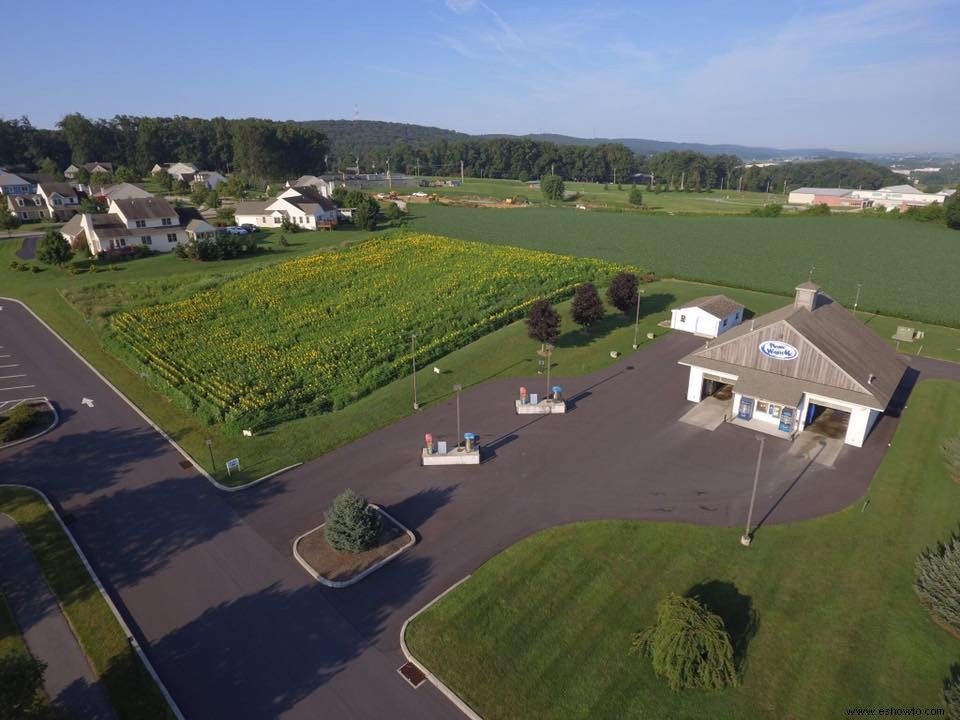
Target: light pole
747	537
636	327
213	463
457	388
548	354
857	300
413	354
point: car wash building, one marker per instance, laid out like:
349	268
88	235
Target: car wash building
797	366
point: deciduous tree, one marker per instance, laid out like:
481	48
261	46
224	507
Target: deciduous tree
587	308
543	322
636	196
622	291
552	187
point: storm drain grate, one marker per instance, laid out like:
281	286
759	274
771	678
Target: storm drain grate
185	464
412	674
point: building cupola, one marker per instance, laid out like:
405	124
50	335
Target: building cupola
807	297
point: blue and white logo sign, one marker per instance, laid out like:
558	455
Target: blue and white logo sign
778	350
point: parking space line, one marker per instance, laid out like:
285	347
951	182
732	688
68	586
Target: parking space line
12	365
18	387
7	377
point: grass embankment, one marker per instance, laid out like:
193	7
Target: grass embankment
129	686
907	269
543	629
11	641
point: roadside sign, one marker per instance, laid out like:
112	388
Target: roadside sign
233	464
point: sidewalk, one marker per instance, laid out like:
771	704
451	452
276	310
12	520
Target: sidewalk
69	680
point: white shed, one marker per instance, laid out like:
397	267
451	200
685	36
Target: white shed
707	316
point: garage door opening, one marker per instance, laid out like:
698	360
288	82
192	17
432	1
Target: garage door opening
827	422
716	388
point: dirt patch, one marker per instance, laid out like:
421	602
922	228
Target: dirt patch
343	567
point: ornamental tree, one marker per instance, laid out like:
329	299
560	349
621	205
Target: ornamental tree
636	196
351	525
54	249
587	308
543	322
21	687
622	291
689	646
938	582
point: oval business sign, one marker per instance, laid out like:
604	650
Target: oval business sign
778	350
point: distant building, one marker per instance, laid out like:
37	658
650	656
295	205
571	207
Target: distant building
372	181
11	184
28	207
303	206
119	191
91	167
834	197
900	196
707	316
61	199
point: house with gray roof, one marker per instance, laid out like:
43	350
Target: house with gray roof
11	184
707	316
129	222
91	167
304	206
787	368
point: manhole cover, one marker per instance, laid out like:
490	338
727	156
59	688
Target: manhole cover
185	464
412	674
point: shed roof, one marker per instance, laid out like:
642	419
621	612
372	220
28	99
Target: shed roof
720	306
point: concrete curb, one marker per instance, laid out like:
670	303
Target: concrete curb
437	683
56	421
113	608
370	570
212	480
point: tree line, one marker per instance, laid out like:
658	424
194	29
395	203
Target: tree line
260	149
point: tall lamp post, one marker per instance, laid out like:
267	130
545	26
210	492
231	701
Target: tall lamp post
457	388
636	327
548	354
413	354
747	536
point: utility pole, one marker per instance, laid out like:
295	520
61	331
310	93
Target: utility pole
552	168
747	536
857	301
614	174
457	388
683	177
389	179
213	463
636	327
461	171
548	351
418	167
413	354
784	187
740	183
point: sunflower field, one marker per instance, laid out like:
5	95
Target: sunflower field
314	334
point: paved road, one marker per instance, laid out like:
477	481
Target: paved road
238	630
70	681
28	249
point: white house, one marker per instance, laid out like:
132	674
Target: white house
61	199
91	167
707	316
132	221
178	170
324	187
303	206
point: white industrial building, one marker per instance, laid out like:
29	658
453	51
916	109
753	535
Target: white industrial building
788	368
900	196
707	316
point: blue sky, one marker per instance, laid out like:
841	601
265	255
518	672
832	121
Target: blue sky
859	75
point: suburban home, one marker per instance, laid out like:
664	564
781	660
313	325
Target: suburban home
11	184
91	167
133	221
28	207
177	170
210	179
707	316
61	199
303	206
200	230
324	187
118	191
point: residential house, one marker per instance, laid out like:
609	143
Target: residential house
11	184
324	187
200	230
91	167
177	170
119	191
210	179
132	221
303	206
62	200
28	207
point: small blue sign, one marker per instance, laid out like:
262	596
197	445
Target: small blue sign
786	420
778	350
233	464
746	408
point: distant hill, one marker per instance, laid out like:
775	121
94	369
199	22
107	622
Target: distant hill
352	136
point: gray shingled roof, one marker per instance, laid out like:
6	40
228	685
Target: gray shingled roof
144	208
720	306
252	207
837	192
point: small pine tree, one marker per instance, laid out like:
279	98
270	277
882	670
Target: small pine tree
587	307
938	582
689	646
622	291
543	322
636	196
351	525
54	249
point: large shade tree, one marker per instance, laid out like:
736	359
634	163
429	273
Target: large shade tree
543	322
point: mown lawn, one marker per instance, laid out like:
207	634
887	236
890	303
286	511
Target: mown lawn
543	629
11	641
128	684
907	268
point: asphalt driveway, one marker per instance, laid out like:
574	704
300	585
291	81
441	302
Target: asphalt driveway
238	630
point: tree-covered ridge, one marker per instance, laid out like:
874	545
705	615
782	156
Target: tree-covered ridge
262	149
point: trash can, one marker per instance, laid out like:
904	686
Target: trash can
523	395
428	439
470	439
557	393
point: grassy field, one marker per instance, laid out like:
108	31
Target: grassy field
907	269
316	333
543	629
128	684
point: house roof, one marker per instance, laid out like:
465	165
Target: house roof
311	196
120	191
252	207
11	179
73	226
144	208
61	188
872	368
903	189
197	226
108	225
105	165
720	306
835	192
